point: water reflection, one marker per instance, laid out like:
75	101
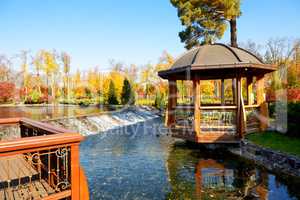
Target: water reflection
120	166
199	174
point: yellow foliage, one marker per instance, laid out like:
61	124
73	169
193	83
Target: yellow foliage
79	92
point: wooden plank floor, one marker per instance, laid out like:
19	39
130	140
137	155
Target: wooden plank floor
33	190
15	168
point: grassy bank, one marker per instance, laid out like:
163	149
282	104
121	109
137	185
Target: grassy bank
277	141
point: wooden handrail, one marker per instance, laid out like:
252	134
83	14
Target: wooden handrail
6	121
207	107
252	106
218	107
35	124
29	143
44	126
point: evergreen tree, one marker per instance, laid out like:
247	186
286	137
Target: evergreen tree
126	92
159	100
112	96
206	20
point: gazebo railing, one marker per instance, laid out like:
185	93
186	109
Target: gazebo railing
184	116
218	119
213	118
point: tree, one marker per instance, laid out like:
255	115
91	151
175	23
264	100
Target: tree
280	52
24	67
7	90
127	93
66	69
206	20
252	47
112	96
50	68
5	72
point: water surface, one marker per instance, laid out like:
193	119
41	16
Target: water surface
40	112
142	162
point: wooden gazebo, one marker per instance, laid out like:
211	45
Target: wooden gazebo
225	121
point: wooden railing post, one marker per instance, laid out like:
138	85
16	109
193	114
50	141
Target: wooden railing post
222	92
75	172
240	115
250	90
261	101
172	101
197	104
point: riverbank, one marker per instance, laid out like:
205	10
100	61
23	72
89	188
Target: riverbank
275	161
276	141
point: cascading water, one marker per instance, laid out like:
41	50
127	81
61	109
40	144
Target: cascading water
94	124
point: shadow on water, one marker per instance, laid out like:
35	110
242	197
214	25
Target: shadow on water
142	162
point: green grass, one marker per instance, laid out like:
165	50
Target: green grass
277	141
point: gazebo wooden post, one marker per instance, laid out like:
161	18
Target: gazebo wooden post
234	90
197	104
240	111
222	92
172	102
261	101
250	90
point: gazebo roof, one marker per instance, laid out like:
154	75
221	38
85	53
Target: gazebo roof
216	61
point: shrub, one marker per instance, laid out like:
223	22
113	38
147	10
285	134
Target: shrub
7	91
84	102
293	116
294	119
36	97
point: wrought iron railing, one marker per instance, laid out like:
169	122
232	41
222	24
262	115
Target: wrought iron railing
42	163
213	118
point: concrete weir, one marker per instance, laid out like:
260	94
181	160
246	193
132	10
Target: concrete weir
88	125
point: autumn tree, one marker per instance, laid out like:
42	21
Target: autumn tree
24	67
66	70
50	67
7	91
280	52
5	72
206	20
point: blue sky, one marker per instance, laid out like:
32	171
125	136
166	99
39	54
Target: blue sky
131	31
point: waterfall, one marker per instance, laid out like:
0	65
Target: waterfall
103	122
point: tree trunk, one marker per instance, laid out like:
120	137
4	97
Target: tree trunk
233	42
233	32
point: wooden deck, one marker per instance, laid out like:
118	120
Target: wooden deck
34	190
15	169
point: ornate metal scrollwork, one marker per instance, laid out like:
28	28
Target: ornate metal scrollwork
63	185
61	152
